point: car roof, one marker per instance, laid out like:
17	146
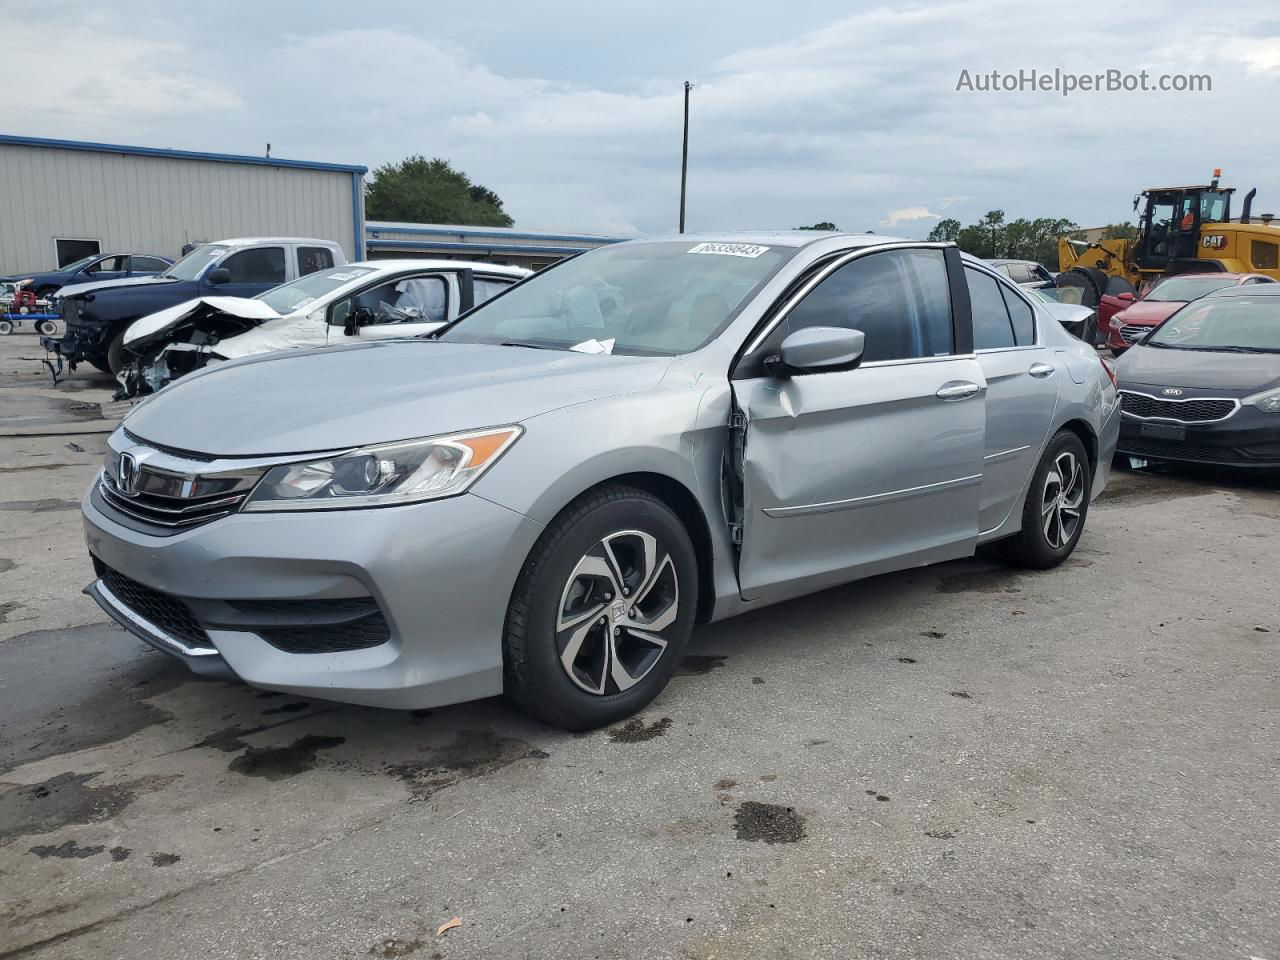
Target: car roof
246	241
776	238
1237	277
1246	290
999	260
438	264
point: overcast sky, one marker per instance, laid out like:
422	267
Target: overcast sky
802	111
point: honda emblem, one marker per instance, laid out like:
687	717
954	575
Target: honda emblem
127	474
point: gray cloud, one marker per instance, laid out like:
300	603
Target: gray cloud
800	114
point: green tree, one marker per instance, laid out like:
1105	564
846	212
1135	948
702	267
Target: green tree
824	225
418	190
945	231
1120	231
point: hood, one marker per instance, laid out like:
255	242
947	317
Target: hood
76	289
1161	367
1149	312
338	397
154	326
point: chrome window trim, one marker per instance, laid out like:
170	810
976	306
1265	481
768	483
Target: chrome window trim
1138	393
838	261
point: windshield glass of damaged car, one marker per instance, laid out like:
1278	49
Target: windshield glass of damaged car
192	265
662	298
295	295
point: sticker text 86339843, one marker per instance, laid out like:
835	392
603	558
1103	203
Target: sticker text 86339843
750	250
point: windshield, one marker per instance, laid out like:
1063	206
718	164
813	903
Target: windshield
1184	289
296	294
191	266
1246	324
662	298
77	264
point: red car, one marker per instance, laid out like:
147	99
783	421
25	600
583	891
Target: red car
1160	300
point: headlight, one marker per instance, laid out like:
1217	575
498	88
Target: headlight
385	475
1268	401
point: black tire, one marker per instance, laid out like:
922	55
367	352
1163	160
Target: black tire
552	584
46	328
115	355
6	327
1041	543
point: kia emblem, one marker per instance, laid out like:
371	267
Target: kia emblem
1172	392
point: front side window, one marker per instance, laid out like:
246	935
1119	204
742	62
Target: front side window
408	300
257	265
107	265
311	259
148	265
646	297
899	299
991	327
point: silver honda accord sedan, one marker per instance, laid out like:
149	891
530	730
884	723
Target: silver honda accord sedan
546	497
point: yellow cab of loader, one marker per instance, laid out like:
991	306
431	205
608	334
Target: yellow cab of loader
1183	230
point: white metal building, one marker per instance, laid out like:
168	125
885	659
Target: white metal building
64	199
518	248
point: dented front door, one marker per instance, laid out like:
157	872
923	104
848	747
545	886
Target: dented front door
851	473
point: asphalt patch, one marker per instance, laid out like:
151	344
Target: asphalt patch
47	505
8	607
395	947
281	763
767	822
1134	488
70	850
229	739
472	753
6	564
164	859
635	730
698	664
295	707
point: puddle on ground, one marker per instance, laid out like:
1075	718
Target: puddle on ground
281	763
473	753
767	822
68	799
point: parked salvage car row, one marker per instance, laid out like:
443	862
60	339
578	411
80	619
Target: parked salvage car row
542	494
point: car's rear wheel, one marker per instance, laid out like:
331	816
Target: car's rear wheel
6	327
1057	503
602	610
46	328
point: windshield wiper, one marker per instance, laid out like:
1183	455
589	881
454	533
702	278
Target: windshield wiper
526	343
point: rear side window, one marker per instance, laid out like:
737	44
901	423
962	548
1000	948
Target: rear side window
149	264
991	327
1024	320
311	259
259	265
1019	273
899	299
487	289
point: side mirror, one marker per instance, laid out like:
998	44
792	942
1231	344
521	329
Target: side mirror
1129	297
357	318
817	350
218	277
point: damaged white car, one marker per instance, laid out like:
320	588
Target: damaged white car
381	299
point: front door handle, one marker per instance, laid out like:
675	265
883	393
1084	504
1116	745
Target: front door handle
958	390
1041	370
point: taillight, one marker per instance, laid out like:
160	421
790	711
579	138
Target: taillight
1111	371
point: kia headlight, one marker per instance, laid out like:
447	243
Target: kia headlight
384	475
1268	401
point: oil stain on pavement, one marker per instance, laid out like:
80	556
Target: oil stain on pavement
65	800
636	731
472	753
281	763
694	664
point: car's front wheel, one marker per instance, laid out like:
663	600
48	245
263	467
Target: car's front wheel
1057	503
602	610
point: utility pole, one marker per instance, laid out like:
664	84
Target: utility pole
684	153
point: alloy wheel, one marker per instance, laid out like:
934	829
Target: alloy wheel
1062	500
616	608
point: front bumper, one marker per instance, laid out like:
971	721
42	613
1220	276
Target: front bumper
440	572
1248	438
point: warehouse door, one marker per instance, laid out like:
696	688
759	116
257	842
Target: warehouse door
69	251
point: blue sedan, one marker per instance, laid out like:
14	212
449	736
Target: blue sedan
99	267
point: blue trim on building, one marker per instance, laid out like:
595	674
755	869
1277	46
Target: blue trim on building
357	188
382	226
478	248
91	147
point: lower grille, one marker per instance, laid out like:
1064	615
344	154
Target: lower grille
1183	411
317	626
1173	450
169	614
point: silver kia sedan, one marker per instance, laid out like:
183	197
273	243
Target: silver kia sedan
544	498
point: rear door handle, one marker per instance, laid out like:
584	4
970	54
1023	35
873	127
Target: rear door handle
958	390
1041	370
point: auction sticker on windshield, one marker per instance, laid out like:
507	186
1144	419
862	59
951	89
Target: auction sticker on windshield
749	250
